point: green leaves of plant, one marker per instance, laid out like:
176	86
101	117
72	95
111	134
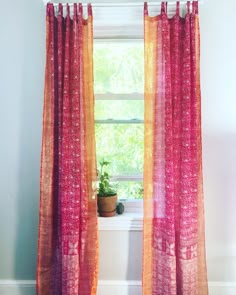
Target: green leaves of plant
105	189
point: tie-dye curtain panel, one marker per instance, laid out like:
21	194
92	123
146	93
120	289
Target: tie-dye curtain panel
174	246
67	248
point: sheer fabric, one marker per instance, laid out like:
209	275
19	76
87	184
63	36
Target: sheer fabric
67	247
174	250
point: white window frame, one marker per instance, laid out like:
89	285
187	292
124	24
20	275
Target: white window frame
132	219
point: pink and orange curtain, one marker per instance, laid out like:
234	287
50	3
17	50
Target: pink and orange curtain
174	251
67	248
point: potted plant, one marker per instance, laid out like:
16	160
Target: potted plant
107	195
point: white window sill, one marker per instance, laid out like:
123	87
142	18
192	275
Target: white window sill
127	222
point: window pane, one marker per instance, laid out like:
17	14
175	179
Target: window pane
118	67
119	109
122	145
130	190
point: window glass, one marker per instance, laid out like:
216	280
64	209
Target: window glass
118	67
119	113
130	189
119	109
122	145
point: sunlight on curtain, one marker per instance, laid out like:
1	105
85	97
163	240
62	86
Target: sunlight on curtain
68	244
174	246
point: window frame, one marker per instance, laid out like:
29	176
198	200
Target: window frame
132	206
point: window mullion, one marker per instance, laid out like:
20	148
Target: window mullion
119	96
115	121
127	178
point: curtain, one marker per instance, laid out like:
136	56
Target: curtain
67	246
173	239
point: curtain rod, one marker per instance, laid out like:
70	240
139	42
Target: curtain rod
124	4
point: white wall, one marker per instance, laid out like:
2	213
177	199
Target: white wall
21	91
22	41
218	61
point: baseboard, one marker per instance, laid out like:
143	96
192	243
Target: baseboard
222	288
107	287
115	287
17	287
135	288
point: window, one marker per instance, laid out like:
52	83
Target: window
119	112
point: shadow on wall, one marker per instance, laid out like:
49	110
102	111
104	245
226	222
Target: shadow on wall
134	266
219	167
31	98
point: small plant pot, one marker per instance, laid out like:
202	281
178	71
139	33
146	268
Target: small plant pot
107	206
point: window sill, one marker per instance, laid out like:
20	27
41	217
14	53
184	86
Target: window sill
125	222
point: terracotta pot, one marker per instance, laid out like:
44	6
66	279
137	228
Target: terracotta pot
107	206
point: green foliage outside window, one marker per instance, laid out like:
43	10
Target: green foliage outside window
120	144
123	70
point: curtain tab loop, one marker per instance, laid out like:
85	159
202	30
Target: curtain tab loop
90	11
195	7
80	9
188	7
177	8
145	9
162	7
51	10
48	9
75	12
68	9
60	9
